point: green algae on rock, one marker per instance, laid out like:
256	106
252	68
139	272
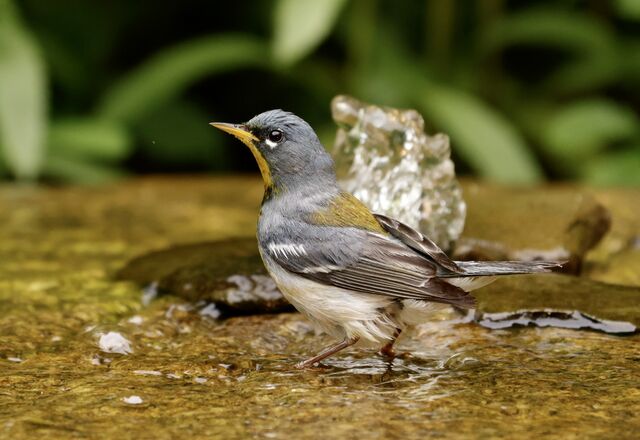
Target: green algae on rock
198	377
616	259
620	268
230	274
551	223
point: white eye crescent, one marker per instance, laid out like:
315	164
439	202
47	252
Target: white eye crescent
271	144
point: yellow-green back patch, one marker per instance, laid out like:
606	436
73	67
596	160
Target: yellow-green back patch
346	210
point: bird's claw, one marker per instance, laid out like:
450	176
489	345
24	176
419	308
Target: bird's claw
387	353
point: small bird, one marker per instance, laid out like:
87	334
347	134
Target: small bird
356	275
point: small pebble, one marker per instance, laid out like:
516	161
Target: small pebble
147	372
114	342
132	400
136	320
210	311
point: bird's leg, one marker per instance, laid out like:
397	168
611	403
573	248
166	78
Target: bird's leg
332	349
387	351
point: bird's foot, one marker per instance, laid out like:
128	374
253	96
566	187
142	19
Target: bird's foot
391	354
332	349
387	352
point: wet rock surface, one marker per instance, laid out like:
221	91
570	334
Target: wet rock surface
227	278
552	223
559	300
83	357
621	268
616	259
227	273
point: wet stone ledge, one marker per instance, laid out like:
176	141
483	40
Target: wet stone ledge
85	354
503	224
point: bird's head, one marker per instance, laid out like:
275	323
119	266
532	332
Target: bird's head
286	148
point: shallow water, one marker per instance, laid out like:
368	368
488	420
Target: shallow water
192	376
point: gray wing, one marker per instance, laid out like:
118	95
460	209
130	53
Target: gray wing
367	262
447	268
419	243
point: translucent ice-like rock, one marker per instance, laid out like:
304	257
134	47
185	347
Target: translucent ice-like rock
384	158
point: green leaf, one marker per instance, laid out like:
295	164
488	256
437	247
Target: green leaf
586	74
614	169
480	135
485	139
23	96
3	166
89	138
548	27
179	135
301	25
74	170
169	73
583	128
631	62
594	59
629	9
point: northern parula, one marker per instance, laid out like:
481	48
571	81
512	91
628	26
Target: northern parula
358	276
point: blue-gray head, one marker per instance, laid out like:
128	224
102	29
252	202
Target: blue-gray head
286	148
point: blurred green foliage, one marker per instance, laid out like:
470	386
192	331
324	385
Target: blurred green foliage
90	91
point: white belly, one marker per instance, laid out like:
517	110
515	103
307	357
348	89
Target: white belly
343	313
339	312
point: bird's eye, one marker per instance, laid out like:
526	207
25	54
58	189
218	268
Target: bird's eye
275	136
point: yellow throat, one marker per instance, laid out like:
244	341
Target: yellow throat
247	138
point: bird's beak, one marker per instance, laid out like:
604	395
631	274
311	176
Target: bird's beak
238	130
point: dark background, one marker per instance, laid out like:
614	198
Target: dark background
92	91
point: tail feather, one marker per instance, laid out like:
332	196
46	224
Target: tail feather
492	268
